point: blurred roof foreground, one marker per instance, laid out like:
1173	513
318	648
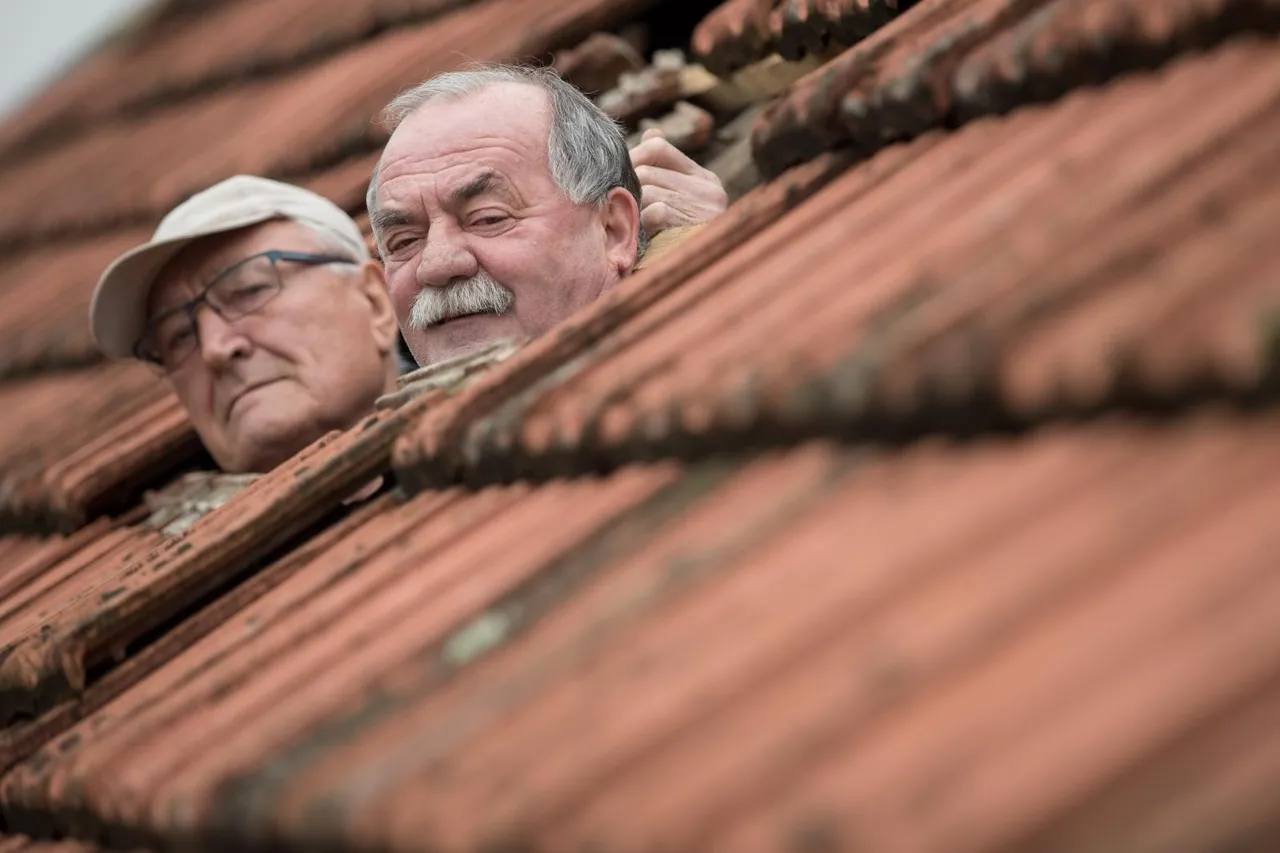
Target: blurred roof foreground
923	502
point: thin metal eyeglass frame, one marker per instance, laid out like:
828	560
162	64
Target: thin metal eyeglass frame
202	298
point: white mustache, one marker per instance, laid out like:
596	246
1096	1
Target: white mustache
480	294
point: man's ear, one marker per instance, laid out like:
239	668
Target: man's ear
620	217
382	315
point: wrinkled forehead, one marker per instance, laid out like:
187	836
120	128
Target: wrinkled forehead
507	115
199	263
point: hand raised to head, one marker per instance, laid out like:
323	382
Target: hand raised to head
675	191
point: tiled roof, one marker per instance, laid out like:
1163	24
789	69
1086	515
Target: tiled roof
923	501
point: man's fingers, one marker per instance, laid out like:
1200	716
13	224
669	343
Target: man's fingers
651	176
653	133
657	151
659	217
651	195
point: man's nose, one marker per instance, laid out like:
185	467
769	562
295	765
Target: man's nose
445	258
220	341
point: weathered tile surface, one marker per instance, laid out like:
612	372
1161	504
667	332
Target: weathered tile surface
77	442
920	502
727	655
948	61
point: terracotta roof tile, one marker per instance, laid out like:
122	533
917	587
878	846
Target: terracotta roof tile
345	183
43	591
994	318
84	441
684	658
740	32
733	35
814	26
22	737
44	301
951	60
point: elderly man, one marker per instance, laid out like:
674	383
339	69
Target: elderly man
505	200
299	336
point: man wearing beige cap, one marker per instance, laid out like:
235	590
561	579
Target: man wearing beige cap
300	334
299	338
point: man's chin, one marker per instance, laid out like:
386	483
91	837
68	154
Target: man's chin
460	336
270	427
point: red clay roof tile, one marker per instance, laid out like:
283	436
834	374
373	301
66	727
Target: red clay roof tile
735	34
22	738
76	439
23	844
667	665
228	45
44	301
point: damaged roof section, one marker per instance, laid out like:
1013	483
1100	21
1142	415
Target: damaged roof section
686	658
950	61
889	319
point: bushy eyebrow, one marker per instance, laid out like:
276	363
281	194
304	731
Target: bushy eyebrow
485	182
382	219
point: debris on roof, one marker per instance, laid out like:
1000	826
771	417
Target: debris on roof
921	501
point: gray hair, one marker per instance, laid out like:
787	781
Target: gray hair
586	150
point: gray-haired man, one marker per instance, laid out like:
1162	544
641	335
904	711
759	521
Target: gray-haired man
504	201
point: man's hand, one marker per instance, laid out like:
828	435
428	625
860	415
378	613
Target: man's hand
675	191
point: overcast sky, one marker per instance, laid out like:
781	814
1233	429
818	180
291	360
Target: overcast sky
40	38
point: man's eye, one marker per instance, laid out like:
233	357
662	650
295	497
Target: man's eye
398	244
489	219
178	338
246	294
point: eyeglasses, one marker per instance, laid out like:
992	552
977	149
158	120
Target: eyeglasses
242	288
